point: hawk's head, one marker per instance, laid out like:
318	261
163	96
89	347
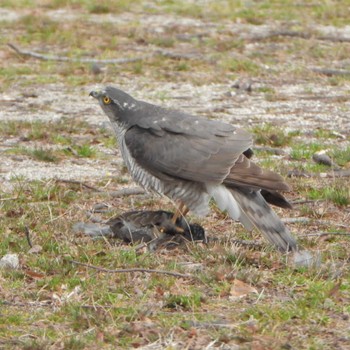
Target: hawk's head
114	102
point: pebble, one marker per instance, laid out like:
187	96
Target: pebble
305	258
322	158
9	261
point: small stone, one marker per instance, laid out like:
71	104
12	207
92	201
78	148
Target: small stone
243	85
29	95
339	135
36	249
100	207
17	158
322	158
9	261
304	258
96	69
297	173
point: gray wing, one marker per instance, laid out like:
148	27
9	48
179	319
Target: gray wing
205	155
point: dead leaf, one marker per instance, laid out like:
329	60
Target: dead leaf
239	289
15	213
334	291
159	291
100	336
33	274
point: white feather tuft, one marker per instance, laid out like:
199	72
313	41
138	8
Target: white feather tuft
225	200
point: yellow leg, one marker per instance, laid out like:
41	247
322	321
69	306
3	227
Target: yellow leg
181	211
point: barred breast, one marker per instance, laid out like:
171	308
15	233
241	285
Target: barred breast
193	194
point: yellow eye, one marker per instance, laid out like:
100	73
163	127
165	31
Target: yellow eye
107	100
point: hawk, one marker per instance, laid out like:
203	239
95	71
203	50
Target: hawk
192	159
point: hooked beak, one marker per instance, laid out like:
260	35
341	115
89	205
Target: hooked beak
97	93
94	94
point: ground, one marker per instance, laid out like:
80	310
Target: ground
279	70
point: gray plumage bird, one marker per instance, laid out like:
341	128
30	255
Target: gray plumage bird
191	159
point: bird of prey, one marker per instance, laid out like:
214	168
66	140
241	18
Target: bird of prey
191	160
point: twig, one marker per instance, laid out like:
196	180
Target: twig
246	242
79	183
326	99
35	304
8	199
295	34
214	324
49	303
140	246
320	234
277	151
304	220
136	269
69	59
305	201
169	54
332	174
95	219
331	72
27	232
234	241
301	220
177	55
127	192
339	173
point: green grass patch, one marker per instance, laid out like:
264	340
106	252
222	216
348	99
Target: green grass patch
54	133
266	89
84	151
339	193
302	151
40	130
341	156
162	41
242	65
325	134
37	153
268	134
9	75
191	302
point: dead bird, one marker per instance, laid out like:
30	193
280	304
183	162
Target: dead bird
144	226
